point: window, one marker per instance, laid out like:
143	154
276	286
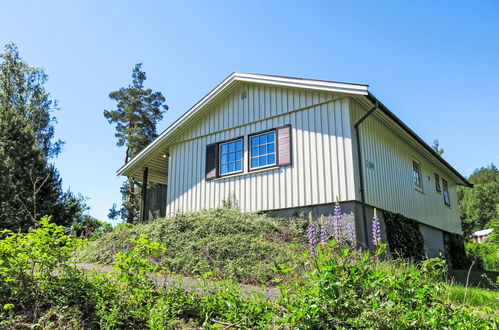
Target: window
262	150
231	157
437	183
446	192
417	175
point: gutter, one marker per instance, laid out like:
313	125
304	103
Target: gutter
361	167
392	116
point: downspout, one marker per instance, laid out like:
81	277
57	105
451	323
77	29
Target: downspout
361	174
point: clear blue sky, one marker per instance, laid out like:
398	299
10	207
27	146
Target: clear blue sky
434	63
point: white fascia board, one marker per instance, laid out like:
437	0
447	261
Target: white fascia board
330	86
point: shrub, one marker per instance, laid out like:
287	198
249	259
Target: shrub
404	238
485	255
226	242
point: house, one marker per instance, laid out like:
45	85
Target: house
481	235
290	145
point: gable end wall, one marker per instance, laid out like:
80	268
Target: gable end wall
322	167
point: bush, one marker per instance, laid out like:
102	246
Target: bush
485	255
346	289
404	238
225	242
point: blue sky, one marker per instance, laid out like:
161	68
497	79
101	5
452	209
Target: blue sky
434	63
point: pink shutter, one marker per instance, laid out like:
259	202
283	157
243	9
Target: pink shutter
284	156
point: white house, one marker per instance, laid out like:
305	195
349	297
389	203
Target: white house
289	145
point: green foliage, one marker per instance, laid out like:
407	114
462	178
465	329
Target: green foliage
346	289
90	226
226	242
485	255
22	91
480	205
458	257
30	187
27	262
487	300
349	289
404	237
137	112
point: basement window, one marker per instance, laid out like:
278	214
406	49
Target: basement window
417	175
262	150
446	192
231	157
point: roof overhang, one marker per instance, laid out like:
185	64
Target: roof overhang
161	142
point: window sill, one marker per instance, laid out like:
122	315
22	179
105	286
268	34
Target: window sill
229	176
419	190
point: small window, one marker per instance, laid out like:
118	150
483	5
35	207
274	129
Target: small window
417	175
262	150
231	157
446	192
437	183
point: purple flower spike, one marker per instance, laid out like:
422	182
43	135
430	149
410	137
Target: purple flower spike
352	236
323	232
312	234
337	219
376	230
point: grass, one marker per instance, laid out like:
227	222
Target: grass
468	296
224	242
476	278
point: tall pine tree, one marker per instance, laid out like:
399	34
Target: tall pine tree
30	187
137	112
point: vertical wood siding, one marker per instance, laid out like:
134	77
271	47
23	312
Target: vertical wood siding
389	185
322	165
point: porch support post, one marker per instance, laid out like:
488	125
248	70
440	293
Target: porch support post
143	211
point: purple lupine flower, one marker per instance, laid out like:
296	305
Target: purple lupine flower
352	236
323	232
376	230
312	234
337	219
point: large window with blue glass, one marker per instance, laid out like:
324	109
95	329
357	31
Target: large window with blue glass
262	150
231	157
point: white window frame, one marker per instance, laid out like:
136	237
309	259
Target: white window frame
220	157
445	192
419	187
438	185
250	147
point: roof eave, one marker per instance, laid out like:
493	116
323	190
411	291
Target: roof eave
332	86
406	128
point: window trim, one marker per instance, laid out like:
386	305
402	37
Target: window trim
219	167
276	151
421	180
438	186
444	191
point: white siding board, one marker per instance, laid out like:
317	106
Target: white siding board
320	142
390	185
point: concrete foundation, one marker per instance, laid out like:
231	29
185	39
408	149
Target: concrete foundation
353	213
433	241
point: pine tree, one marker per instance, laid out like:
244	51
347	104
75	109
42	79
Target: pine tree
137	112
30	187
21	90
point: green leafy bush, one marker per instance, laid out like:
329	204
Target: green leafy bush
404	238
485	255
226	242
346	288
